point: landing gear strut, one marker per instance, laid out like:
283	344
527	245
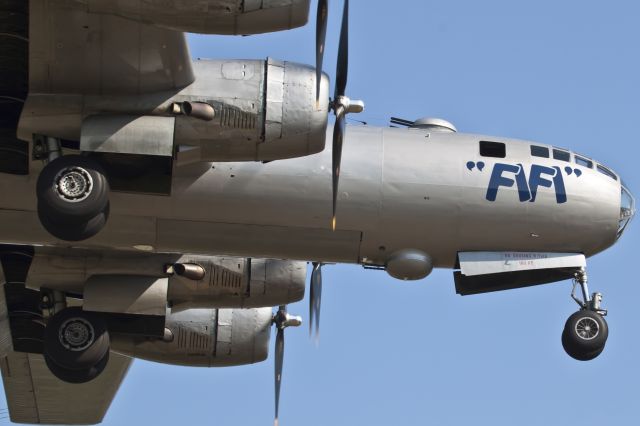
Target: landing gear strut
586	331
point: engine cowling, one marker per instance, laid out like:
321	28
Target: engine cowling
239	283
262	111
204	338
209	16
226	282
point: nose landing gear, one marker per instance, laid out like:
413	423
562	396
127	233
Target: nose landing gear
586	331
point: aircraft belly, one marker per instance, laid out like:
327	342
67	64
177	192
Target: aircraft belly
397	191
258	240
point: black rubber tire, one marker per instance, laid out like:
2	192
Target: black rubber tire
76	359
81	230
577	346
77	376
577	353
61	210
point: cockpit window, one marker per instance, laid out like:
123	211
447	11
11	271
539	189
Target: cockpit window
561	155
540	151
581	161
605	171
493	149
627	209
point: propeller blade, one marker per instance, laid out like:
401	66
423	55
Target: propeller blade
278	368
281	320
338	136
315	299
343	54
321	34
312	298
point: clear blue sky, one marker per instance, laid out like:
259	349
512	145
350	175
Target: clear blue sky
564	73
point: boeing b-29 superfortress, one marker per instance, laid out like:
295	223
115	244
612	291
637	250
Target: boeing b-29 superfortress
157	207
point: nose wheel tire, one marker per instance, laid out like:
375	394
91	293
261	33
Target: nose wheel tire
73	197
585	335
76	340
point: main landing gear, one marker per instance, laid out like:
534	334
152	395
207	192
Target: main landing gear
586	331
73	197
76	345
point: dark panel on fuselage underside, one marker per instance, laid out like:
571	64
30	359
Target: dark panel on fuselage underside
508	280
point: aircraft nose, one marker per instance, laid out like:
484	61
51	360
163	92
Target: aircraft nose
627	209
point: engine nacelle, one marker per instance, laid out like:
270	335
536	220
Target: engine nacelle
238	283
235	110
260	111
114	281
209	16
204	338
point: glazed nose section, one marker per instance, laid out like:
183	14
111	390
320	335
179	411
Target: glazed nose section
627	209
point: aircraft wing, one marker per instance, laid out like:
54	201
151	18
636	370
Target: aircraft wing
34	395
74	51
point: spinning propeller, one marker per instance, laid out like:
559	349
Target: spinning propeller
281	320
314	301
341	104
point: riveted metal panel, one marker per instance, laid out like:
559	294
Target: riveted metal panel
251	5
205	337
225	327
275	99
35	395
483	262
72	51
125	134
126	294
282	242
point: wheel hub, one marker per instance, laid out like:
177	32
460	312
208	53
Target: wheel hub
587	328
73	184
76	334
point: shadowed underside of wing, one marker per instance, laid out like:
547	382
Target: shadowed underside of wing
35	395
75	52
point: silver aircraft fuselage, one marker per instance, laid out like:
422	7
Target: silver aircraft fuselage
399	189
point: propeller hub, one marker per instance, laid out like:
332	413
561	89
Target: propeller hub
282	320
349	106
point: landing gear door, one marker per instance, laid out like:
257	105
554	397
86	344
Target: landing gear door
486	262
483	272
135	151
124	134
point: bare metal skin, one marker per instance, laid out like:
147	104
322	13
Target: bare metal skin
412	189
239	170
